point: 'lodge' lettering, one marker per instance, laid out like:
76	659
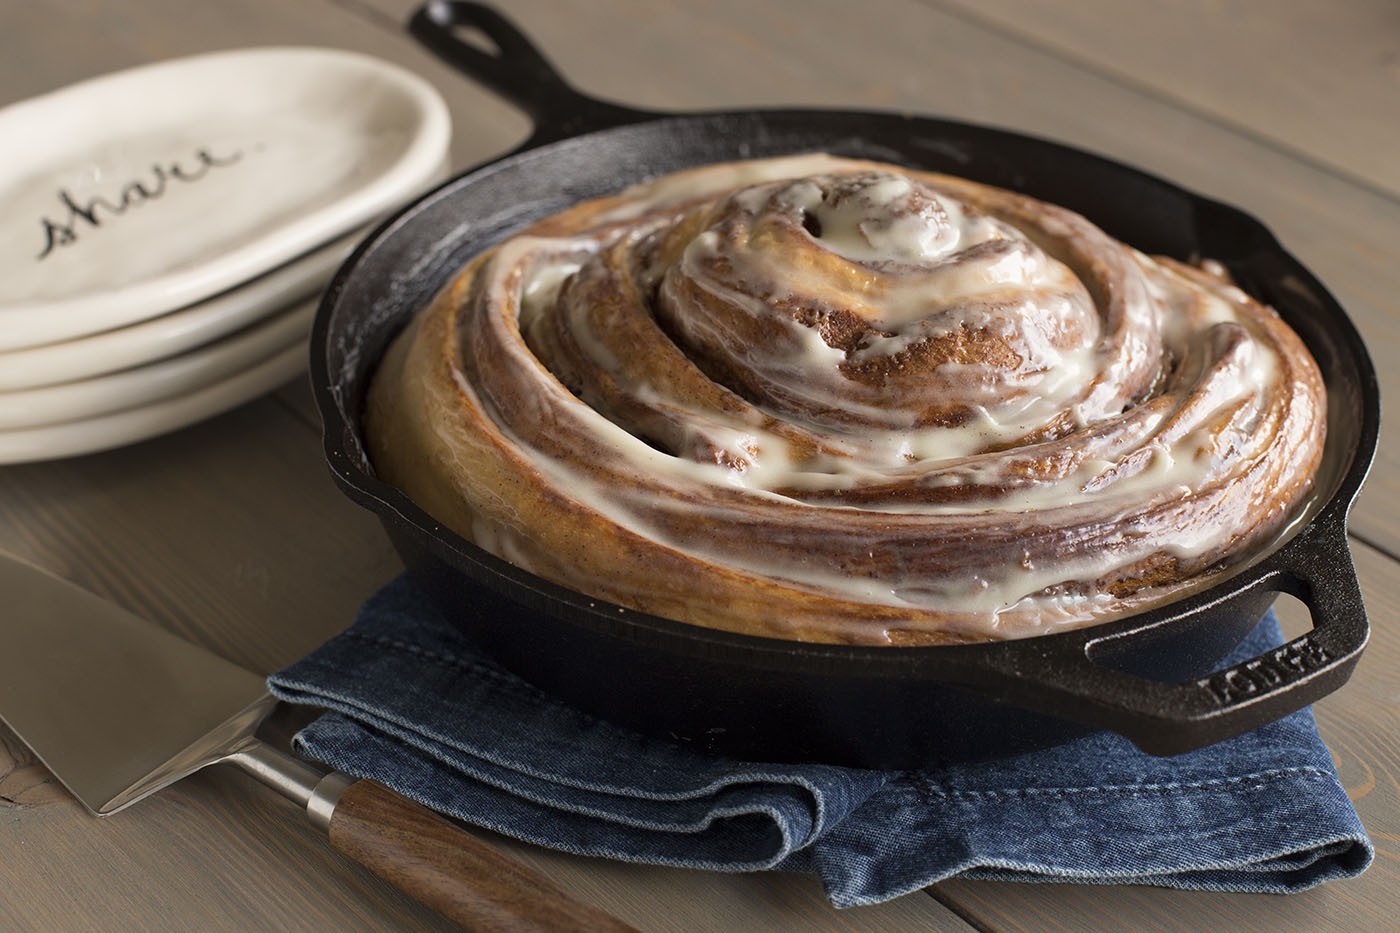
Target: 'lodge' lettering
1280	666
133	193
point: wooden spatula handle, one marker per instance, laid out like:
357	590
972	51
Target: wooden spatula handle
451	871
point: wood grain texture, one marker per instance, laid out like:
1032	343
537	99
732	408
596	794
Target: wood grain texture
447	869
1318	79
216	852
24	782
232	534
192	530
676	900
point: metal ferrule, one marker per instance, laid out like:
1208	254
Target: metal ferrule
306	784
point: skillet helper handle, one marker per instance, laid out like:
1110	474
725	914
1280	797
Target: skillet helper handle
518	70
451	871
1169	719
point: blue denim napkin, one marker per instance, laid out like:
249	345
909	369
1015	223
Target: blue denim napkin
411	706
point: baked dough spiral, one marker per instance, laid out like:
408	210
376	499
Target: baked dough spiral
828	400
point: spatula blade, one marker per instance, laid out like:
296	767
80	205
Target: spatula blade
113	705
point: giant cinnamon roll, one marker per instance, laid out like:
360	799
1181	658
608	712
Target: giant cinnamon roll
840	401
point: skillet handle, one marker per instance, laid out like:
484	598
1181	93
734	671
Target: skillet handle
1169	719
517	71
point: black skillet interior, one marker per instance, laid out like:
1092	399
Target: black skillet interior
1148	677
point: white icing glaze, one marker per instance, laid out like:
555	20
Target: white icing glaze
858	229
960	271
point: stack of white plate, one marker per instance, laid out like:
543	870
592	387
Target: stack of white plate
168	230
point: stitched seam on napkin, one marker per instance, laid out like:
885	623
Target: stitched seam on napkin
511	682
1259	779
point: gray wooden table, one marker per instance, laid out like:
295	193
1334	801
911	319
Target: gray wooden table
232	534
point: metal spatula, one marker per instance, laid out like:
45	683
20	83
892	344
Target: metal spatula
118	708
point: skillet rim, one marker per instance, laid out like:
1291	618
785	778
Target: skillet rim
341	426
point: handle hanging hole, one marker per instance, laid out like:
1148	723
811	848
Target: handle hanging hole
477	39
1294	619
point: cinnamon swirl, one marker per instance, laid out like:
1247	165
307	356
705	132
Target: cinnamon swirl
829	400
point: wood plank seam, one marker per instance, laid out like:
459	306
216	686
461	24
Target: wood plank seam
1156	93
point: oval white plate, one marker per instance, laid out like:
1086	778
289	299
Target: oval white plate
144	385
90	435
147	190
176	332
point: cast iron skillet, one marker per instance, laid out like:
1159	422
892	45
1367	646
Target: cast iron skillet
1148	677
